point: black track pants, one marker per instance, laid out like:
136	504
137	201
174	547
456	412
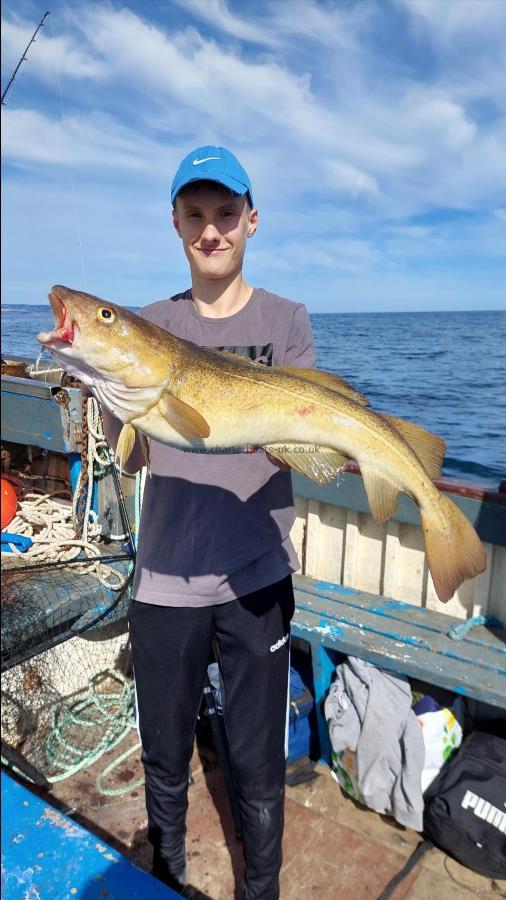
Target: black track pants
171	648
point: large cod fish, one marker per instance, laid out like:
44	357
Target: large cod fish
169	389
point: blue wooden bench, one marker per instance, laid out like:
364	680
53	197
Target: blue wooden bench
46	854
337	621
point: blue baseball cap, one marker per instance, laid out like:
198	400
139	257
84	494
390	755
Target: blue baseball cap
212	164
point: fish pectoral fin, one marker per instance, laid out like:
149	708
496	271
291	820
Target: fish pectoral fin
429	448
145	449
327	380
320	464
183	418
125	445
381	493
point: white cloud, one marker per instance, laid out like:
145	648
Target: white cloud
281	21
351	179
450	20
220	95
227	94
348	132
443	120
217	14
51	56
92	140
340	255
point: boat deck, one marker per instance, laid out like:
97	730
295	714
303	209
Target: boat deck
332	847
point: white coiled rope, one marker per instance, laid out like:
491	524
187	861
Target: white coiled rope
52	524
47	374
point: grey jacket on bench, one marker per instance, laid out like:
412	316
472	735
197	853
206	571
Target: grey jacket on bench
368	711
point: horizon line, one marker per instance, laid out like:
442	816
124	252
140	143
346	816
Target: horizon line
343	312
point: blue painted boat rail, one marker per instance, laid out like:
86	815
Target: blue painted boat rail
486	510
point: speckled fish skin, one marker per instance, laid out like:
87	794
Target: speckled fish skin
153	381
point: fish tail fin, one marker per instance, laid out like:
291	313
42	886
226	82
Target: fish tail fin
454	550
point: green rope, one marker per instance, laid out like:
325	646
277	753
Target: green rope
111	711
117	792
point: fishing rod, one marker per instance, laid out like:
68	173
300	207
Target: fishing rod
23	57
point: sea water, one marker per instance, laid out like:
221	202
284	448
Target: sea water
444	370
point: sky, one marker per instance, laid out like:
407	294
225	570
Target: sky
374	134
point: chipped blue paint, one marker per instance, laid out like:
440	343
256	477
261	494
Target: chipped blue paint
387	605
328	586
46	854
460	689
332	630
405	639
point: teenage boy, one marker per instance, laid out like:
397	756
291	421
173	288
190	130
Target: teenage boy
214	556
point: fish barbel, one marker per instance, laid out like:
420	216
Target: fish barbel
170	390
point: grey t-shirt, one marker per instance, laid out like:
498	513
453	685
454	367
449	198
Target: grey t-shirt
216	527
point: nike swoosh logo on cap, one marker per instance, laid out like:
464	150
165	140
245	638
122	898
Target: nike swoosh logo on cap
196	162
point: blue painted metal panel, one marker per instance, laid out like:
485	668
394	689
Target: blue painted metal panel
32	420
41	414
45	854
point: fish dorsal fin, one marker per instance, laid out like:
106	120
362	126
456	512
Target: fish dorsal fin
316	376
183	418
320	464
327	380
429	448
125	445
381	493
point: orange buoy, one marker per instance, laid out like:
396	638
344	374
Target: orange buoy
9	502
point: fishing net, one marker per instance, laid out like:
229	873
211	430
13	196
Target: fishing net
67	689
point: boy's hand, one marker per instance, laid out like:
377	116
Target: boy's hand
283	467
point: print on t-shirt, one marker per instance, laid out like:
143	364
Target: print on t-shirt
260	353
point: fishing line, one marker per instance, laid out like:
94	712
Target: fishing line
71	176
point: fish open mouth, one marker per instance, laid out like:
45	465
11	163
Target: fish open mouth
65	329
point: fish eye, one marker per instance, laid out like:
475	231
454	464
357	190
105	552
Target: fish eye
106	314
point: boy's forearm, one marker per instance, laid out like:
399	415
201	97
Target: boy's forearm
112	429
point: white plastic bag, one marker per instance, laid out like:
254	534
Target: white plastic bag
442	734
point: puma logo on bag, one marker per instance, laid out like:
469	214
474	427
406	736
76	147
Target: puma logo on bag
484	810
